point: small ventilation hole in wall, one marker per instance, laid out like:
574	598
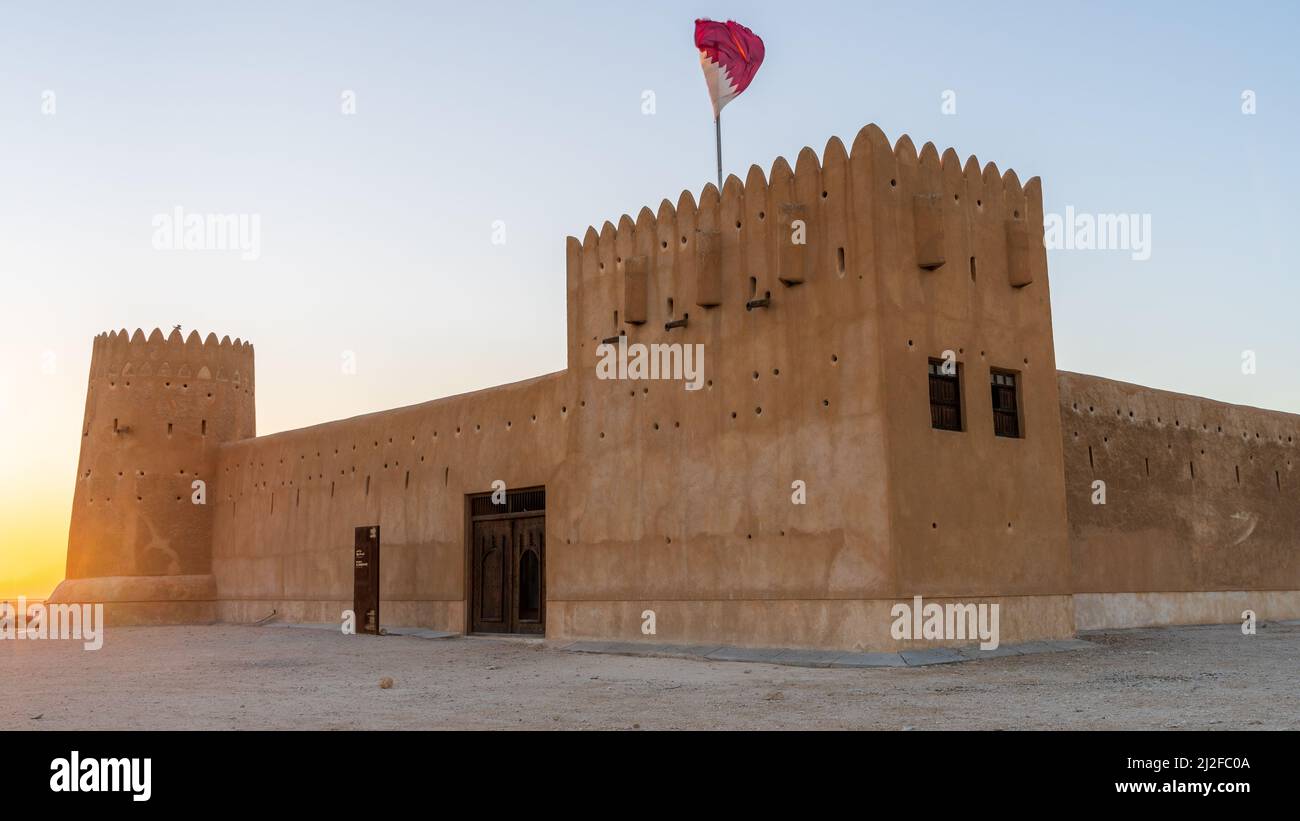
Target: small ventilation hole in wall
446	475
1191	467
1090	464
839	257
203	427
297	498
753	287
1237	470
408	478
1147	459
1277	477
367	485
972	269
169	428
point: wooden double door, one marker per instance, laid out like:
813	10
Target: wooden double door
508	574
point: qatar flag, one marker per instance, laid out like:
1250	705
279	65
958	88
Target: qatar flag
730	55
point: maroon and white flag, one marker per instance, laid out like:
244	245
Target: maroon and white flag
730	55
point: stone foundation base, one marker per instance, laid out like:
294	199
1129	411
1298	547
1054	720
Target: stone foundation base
435	615
144	600
1107	611
843	625
859	625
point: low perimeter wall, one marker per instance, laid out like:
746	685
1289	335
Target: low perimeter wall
1182	510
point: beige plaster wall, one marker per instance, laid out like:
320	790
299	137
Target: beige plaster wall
1201	497
681	501
286	505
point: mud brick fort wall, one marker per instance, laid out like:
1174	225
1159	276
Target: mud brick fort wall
820	294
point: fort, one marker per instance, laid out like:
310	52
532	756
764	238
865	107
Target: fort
825	369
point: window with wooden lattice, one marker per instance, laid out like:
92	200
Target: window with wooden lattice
945	395
1006	405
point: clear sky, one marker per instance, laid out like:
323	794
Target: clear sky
377	227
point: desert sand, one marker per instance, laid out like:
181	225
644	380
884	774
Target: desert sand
244	677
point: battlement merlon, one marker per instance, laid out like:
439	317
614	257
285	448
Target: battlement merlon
120	353
875	211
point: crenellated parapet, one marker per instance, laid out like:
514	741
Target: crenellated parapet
889	215
192	382
119	354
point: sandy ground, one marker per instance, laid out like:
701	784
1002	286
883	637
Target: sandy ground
237	677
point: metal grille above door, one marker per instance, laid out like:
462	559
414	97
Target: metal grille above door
532	500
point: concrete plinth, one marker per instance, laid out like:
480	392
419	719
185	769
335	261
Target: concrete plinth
144	600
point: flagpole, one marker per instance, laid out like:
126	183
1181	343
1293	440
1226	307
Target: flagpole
717	122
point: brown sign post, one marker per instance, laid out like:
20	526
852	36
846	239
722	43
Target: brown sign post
365	589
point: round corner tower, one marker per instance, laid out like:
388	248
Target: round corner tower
140	539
